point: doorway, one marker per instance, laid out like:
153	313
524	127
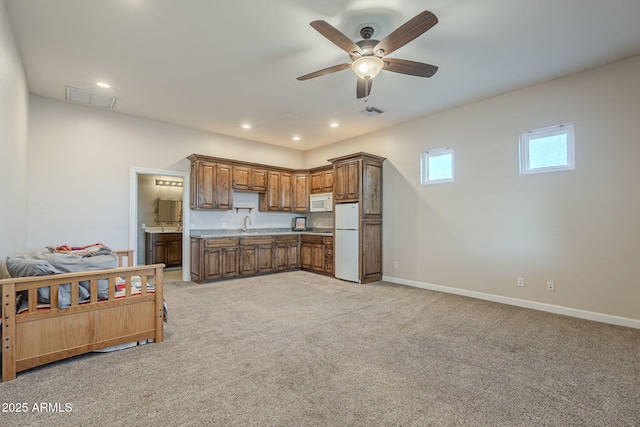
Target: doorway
136	233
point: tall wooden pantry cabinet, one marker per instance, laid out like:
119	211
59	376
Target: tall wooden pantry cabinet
358	178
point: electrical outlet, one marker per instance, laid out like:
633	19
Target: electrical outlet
520	281
551	286
395	264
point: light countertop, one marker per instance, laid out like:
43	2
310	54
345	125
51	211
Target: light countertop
209	234
159	230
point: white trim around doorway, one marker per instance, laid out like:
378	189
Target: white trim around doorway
133	211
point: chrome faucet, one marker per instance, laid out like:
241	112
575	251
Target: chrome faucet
244	223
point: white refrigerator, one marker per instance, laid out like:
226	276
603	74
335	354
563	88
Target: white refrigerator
345	241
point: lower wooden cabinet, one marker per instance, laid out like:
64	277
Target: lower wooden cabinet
287	255
328	255
230	262
264	255
218	258
211	263
214	259
163	248
219	263
312	253
248	264
316	253
371	257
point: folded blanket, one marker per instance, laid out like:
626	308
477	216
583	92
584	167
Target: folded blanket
85	251
45	263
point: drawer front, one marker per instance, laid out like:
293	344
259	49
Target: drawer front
328	240
256	240
288	238
311	239
167	237
328	266
220	242
328	251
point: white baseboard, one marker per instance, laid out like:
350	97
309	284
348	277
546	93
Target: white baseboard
567	311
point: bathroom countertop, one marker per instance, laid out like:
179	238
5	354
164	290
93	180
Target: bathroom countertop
159	230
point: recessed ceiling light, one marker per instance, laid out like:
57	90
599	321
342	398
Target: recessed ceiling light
246	126
296	138
104	85
334	125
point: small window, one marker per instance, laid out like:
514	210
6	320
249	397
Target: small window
548	149
437	166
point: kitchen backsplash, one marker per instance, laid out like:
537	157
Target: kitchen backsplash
232	220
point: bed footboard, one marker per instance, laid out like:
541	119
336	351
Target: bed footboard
133	311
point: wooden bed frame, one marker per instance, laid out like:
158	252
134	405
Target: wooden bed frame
35	337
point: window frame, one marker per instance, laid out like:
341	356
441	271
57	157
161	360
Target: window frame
567	129
424	165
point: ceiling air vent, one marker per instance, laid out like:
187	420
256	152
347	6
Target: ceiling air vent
81	96
371	111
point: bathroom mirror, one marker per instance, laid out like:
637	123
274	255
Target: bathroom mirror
169	210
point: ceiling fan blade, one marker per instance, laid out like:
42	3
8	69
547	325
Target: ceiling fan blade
406	32
363	87
325	71
412	68
336	37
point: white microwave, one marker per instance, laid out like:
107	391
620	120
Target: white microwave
321	202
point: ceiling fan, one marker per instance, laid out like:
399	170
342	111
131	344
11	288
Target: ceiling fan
368	55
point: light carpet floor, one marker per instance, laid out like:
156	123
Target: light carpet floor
299	349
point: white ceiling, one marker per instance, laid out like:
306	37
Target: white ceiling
215	65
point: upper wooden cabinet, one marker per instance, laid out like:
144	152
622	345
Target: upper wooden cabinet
322	179
214	180
301	202
286	191
371	195
347	181
353	178
279	195
358	178
210	184
247	178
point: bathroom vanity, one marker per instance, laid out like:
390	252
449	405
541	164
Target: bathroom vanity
163	247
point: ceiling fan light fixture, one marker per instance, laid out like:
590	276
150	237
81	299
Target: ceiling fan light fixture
367	67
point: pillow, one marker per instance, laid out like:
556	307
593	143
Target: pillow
21	267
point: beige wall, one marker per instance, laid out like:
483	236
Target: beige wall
578	228
80	159
14	98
